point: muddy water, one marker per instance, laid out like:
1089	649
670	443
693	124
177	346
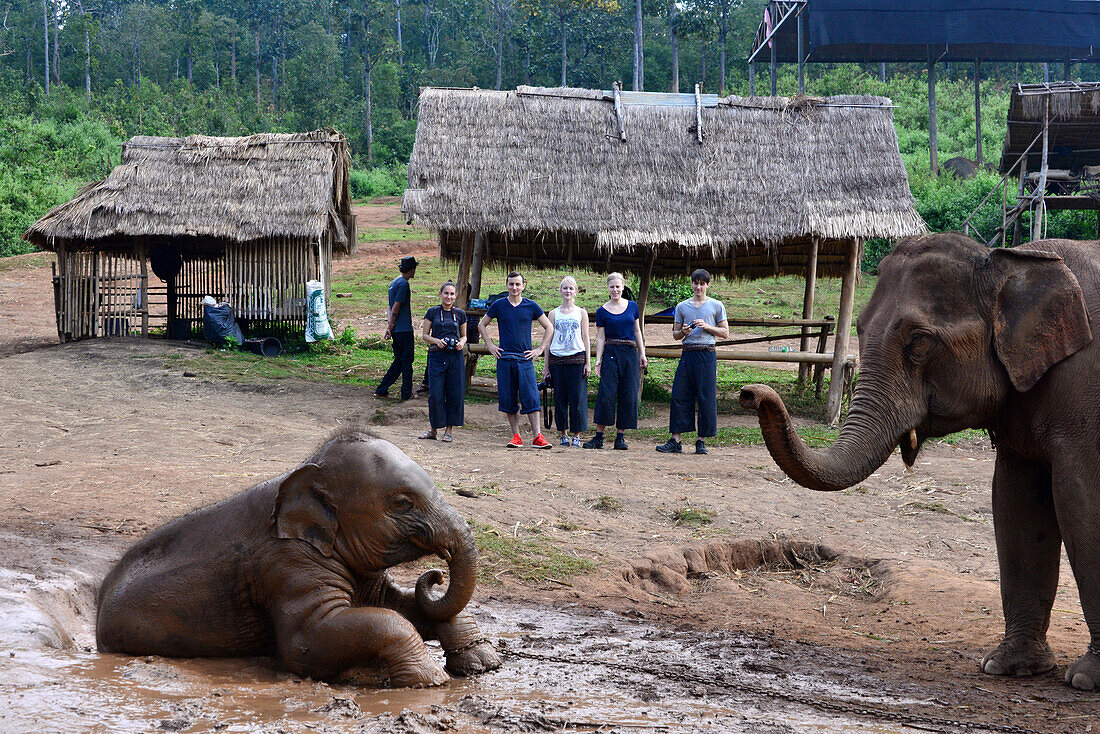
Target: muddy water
564	668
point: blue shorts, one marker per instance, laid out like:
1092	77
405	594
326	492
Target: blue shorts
517	386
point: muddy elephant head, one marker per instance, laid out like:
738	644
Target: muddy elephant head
951	330
361	502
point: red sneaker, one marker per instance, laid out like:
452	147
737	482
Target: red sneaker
540	442
516	442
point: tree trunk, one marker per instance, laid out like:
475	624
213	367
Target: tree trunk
56	46
87	65
256	34
190	62
400	43
703	71
46	44
639	60
369	126
233	59
274	80
563	47
674	46
722	59
498	47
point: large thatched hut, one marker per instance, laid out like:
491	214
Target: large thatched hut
660	184
248	220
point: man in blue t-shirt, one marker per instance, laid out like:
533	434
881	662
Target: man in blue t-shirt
517	386
699	322
399	328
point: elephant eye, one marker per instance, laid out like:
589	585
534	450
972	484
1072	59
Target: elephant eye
920	345
401	502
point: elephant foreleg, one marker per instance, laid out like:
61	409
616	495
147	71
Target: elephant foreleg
468	651
332	640
1028	551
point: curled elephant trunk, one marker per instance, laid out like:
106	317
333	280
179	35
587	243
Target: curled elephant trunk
460	552
863	446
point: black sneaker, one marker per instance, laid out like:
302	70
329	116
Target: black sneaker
700	447
596	442
671	446
620	443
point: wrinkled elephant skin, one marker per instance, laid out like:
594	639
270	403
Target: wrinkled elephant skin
960	336
295	568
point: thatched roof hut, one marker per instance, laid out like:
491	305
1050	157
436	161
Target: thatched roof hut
247	219
661	184
559	177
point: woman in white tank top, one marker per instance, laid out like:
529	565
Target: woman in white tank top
568	364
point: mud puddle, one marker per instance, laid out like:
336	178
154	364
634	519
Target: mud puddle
565	669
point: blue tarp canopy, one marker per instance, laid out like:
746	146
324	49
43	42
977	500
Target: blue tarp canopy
932	30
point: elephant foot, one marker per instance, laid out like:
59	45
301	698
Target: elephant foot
1084	675
1020	657
421	674
479	657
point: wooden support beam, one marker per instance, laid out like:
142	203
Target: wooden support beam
617	87
843	329
801	57
933	149
978	110
1041	188
772	69
476	265
808	306
699	113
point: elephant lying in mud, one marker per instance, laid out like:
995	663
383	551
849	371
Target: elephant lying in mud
295	568
960	336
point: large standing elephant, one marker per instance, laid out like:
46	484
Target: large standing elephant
295	568
960	336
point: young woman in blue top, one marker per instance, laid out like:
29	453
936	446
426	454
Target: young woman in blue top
619	351
444	329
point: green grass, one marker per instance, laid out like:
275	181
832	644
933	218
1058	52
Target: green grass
607	503
392	234
936	507
27	262
693	516
523	558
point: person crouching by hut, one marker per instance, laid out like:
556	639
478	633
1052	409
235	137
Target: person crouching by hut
444	330
698	323
569	363
399	328
620	350
517	385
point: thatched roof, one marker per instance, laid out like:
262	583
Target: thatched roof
229	189
1074	125
546	171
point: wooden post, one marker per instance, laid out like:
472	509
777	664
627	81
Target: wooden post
644	280
808	308
1016	228
1041	188
843	329
476	264
933	150
463	284
801	58
752	78
978	110
773	69
143	255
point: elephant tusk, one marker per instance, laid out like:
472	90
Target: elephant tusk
913	438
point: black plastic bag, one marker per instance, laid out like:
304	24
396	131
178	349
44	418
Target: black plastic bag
219	326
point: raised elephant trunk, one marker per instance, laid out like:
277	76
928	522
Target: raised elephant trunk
459	550
864	445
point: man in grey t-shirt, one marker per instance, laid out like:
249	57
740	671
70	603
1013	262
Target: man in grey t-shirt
699	322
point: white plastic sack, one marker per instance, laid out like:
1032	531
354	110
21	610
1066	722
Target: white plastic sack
317	326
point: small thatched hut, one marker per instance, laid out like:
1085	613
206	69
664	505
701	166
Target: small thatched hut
660	184
248	220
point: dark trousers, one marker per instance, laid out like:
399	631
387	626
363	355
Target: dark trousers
402	365
617	396
695	386
446	388
570	397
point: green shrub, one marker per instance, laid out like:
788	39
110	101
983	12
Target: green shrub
366	184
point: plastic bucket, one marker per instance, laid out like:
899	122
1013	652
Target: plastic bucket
268	346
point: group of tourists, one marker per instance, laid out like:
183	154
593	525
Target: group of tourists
620	359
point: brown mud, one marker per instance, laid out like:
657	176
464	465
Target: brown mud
789	611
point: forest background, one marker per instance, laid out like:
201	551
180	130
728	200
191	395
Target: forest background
79	77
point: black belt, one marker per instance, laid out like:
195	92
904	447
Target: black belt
698	347
623	342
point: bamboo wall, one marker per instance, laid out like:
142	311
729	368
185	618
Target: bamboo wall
106	293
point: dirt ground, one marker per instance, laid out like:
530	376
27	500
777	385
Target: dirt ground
860	611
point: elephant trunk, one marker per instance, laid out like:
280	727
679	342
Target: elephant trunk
865	443
457	547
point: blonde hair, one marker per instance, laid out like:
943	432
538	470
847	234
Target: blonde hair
616	276
568	279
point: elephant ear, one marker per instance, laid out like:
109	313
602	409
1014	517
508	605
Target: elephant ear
303	512
1039	317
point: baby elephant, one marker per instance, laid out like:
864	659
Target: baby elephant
295	567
